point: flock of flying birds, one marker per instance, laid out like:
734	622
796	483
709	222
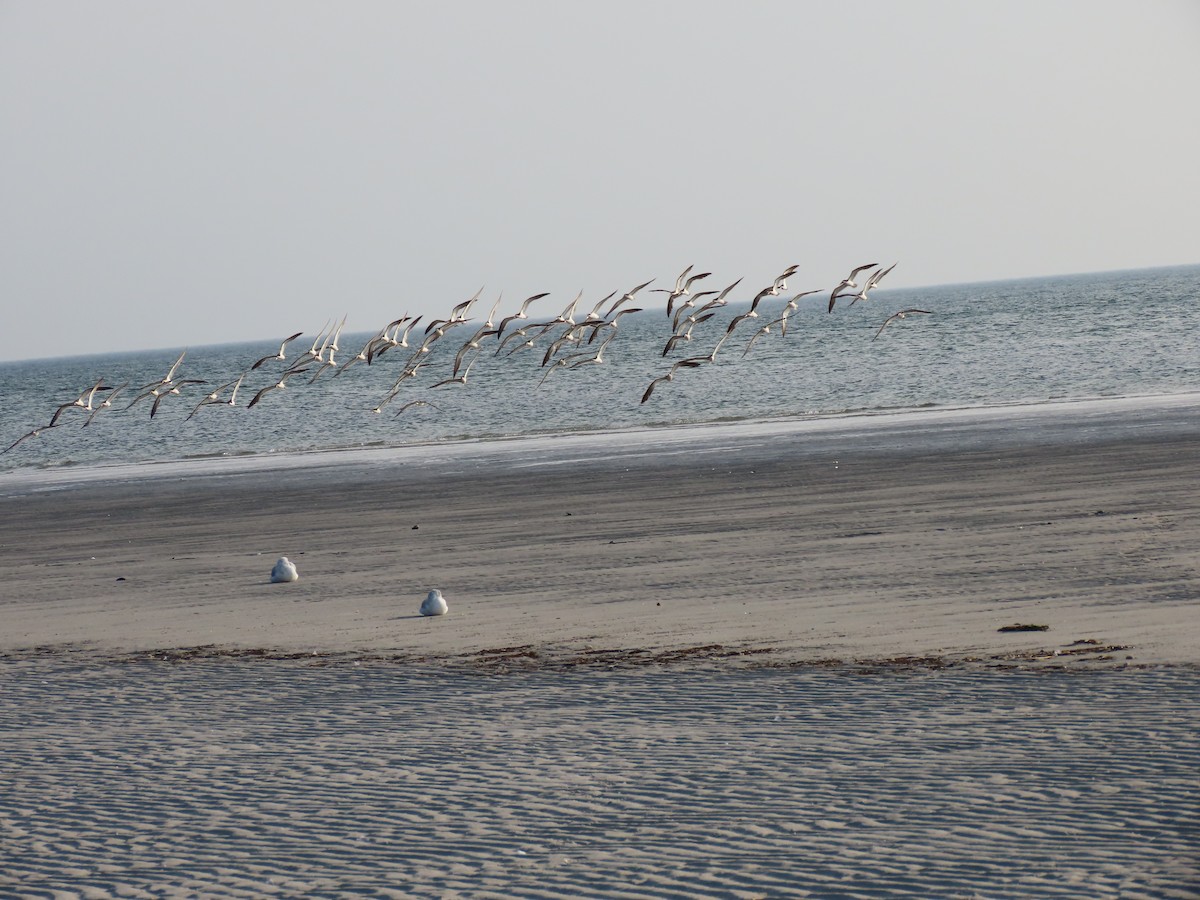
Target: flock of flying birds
571	341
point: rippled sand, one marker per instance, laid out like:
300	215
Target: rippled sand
249	779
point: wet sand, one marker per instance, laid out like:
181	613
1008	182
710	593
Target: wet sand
853	556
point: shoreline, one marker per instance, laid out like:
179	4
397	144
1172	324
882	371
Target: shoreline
1031	422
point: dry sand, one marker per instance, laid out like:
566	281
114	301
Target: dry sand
742	669
220	778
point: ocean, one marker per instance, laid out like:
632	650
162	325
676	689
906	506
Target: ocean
984	347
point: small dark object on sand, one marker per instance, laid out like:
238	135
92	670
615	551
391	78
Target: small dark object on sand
1024	628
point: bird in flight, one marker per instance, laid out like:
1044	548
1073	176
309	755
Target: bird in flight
522	313
412	403
848	281
876	277
31	434
168	390
280	355
83	401
690	363
215	397
461	379
682	288
106	403
170	376
279	385
899	315
627	297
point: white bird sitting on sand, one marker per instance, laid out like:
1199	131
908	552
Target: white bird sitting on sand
434	604
285	570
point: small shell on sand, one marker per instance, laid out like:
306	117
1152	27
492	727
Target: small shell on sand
285	570
434	604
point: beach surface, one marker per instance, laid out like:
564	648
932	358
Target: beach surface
671	667
786	546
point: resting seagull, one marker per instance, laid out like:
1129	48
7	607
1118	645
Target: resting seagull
434	604
284	570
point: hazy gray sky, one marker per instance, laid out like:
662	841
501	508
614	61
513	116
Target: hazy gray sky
192	173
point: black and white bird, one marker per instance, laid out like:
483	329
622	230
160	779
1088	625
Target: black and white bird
214	398
281	355
874	279
670	376
899	315
83	402
522	313
848	281
29	434
682	288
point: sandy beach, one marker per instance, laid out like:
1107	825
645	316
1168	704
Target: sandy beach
799	555
715	657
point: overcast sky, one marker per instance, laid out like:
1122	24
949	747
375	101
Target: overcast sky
193	173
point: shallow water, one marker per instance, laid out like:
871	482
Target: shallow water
985	345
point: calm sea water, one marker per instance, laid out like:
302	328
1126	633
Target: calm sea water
1030	341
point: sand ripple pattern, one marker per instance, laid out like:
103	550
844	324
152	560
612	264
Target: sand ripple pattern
259	779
